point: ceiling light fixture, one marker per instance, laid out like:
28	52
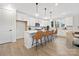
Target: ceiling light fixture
50	14
36	10
45	17
56	4
9	7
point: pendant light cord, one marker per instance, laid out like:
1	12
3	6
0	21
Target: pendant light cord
36	7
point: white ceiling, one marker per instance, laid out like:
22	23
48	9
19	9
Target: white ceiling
62	9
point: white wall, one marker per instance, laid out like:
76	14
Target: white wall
72	21
76	22
69	21
20	28
21	17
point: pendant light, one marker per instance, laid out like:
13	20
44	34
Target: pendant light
36	10
50	14
45	17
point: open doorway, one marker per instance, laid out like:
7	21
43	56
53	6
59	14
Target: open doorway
20	28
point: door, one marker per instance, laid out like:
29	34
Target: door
5	26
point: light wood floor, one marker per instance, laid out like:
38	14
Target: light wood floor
58	47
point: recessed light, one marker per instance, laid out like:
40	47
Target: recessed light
9	7
36	14
56	4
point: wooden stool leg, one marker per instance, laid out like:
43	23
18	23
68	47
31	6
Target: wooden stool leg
45	40
32	42
36	45
52	37
41	42
48	38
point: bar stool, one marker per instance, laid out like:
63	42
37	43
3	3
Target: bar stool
46	35
55	32
51	33
37	37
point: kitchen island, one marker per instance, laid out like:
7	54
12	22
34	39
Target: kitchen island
28	38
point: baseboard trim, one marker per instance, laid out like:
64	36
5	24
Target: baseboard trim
19	38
